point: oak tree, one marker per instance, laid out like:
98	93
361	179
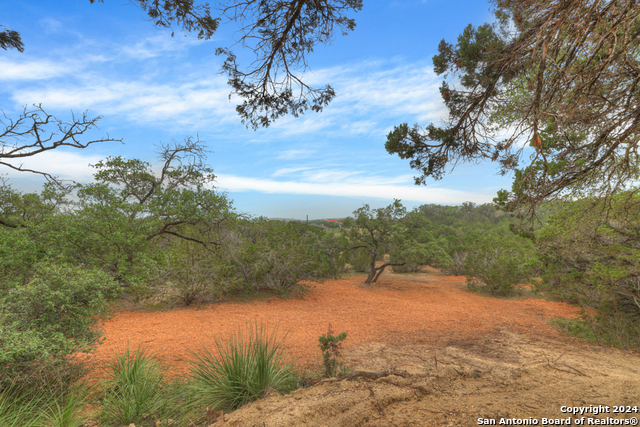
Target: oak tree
372	230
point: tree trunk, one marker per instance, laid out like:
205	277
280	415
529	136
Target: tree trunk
377	271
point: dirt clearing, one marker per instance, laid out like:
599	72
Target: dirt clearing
454	356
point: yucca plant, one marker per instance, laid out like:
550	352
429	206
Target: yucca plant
68	410
240	370
19	408
133	389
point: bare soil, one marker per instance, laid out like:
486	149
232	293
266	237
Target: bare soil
443	356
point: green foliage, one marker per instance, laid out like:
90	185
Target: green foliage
195	272
134	390
25	405
416	255
49	318
69	409
360	260
330	348
18	253
575	327
496	263
61	300
517	84
373	231
21	409
590	252
268	254
239	370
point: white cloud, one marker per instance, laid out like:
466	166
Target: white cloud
201	102
159	45
51	25
32	70
369	94
294	154
66	165
233	183
288	171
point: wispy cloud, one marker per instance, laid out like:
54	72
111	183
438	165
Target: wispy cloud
288	171
234	183
67	165
159	45
32	70
369	94
294	154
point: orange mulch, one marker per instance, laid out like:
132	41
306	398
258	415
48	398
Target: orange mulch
423	308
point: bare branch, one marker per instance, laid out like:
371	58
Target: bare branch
35	131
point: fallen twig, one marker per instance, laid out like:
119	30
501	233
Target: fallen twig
366	374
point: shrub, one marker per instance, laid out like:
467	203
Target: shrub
61	301
416	255
274	255
49	318
18	253
240	370
591	256
330	348
360	260
496	263
134	390
195	272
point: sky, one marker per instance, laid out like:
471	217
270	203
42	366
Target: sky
151	88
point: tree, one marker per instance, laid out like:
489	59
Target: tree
121	217
372	230
10	39
560	75
496	263
35	131
591	251
282	34
416	246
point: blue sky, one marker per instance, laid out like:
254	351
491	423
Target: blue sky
150	88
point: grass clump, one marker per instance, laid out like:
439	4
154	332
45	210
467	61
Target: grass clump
19	409
42	407
239	370
575	327
135	390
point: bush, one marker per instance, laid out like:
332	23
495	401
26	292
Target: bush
416	255
274	255
62	300
195	273
18	254
591	256
496	263
240	370
360	260
49	318
330	348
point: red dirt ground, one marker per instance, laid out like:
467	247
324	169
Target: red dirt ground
400	309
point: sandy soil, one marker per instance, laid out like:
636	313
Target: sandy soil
451	356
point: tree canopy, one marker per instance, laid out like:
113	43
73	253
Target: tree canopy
559	76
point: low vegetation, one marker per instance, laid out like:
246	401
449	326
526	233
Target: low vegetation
138	235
